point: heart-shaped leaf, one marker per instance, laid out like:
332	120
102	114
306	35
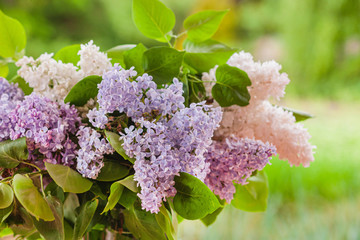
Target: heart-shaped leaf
112	170
153	19
211	218
130	183
203	25
127	198
231	86
116	190
69	54
193	200
299	115
116	143
162	63
205	55
24	86
86	214
6	195
253	196
117	53
5	213
54	229
13	152
133	58
68	179
83	91
4	69
12	37
30	198
143	224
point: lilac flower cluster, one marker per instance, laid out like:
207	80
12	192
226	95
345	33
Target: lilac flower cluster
163	149
166	137
90	154
48	126
234	160
117	92
10	95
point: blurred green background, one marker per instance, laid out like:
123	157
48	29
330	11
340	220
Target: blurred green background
318	44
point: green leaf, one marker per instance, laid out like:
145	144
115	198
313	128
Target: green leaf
31	199
143	224
68	231
193	200
211	218
206	55
127	198
12	37
130	183
253	196
26	223
164	220
24	86
117	53
299	115
13	152
53	230
162	63
134	56
6	195
111	171
4	70
116	143
197	92
70	204
185	81
97	191
83	91
83	220
153	19
203	25
5	213
68	179
54	190
231	86
69	54
116	190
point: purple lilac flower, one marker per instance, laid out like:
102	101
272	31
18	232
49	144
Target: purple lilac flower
234	160
90	154
118	92
166	137
164	148
47	125
10	95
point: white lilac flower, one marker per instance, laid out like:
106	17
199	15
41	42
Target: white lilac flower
54	79
10	95
48	126
92	61
48	77
260	119
90	155
233	161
